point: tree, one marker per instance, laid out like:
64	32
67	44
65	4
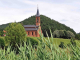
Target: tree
63	34
15	34
70	34
56	34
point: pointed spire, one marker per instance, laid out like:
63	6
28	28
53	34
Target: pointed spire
37	11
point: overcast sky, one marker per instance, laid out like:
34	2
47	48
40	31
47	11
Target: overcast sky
63	11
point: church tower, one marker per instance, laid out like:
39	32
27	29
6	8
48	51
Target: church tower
33	30
37	18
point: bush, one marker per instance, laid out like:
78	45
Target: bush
63	34
2	43
32	41
62	45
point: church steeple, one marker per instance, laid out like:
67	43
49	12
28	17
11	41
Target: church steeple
37	18
37	12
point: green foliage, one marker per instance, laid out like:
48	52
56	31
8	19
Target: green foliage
1	32
56	34
72	43
46	23
77	36
2	43
2	27
32	41
70	34
46	50
15	34
63	34
62	45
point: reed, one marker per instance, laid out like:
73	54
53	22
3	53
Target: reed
45	50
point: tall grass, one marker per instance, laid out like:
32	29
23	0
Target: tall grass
45	50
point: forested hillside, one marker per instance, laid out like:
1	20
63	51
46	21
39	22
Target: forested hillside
3	26
46	23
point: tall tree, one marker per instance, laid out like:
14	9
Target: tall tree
15	33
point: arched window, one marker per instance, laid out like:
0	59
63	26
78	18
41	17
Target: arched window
32	33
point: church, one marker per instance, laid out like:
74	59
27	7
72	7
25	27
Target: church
33	30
